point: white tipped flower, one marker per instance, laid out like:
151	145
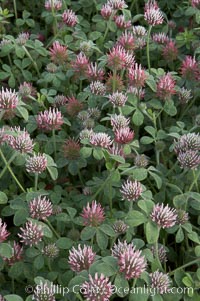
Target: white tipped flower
152	13
118	99
36	164
31	234
101	140
160	282
119	121
8	99
164	216
81	258
131	190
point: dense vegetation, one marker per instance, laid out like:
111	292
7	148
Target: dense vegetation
99	150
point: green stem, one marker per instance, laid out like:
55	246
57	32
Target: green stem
164	244
127	170
120	110
196	176
148	55
55	25
130	206
79	297
170	170
122	74
132	4
134	282
106	32
187	109
54	143
80	86
52	228
49	264
10	61
156	252
137	8
15	9
95	4
107	28
92	241
186	241
32	98
156	151
7	166
1	114
185	266
80	177
8	163
159	119
65	5
32	60
193	128
52	40
110	198
114	80
151	186
36	181
196	228
13	285
157	157
112	241
171	185
101	187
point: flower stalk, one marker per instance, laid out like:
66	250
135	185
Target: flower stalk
7	166
148	52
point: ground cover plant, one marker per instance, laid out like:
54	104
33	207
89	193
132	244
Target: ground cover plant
99	150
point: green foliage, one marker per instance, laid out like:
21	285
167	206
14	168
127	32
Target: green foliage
46	62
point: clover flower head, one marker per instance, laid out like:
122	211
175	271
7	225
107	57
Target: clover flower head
8	99
17	251
36	164
69	18
49	120
101	140
3	231
189	159
97	88
97	288
53	4
118	99
131	190
94	73
170	51
162	253
119	121
51	250
93	215
71	149
131	263
58	53
74	106
31	234
124	135
165	87
120	227
81	258
160	282
190	68
164	216
152	13
40	208
21	141
137	76
46	293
